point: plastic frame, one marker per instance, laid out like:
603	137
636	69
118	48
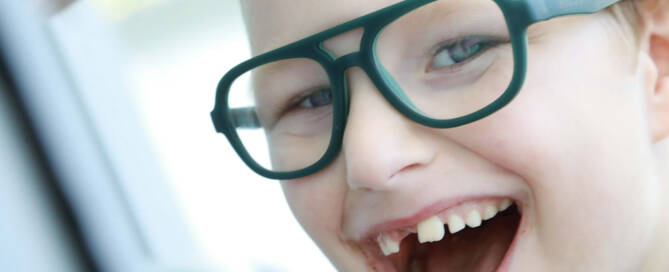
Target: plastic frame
519	15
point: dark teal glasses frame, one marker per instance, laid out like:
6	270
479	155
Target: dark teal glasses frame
519	15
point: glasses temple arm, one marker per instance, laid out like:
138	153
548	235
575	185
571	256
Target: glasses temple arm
547	9
244	118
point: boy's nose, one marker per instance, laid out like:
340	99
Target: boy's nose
379	142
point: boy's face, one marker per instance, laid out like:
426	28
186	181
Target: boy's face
572	151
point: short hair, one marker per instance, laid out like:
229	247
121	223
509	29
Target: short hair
627	13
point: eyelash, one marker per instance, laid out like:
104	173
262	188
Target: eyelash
490	42
294	102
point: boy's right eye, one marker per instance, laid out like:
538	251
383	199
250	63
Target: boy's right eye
305	110
319	98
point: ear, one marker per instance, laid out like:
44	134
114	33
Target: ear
655	18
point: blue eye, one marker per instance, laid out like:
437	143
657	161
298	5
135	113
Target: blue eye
317	99
460	51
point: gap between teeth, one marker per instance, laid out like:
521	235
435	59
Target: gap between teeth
433	229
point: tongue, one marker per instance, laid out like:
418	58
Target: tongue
479	249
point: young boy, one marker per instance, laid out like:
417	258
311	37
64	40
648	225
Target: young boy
572	175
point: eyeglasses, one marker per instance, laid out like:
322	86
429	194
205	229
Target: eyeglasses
441	63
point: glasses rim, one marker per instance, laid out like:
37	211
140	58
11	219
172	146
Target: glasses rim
519	15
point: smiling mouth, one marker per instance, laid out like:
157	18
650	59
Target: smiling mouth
468	238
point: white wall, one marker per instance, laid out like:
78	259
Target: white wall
177	52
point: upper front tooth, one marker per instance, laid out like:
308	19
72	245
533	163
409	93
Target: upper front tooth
506	203
489	212
474	219
387	245
455	223
430	230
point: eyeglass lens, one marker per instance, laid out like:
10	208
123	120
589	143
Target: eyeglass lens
449	58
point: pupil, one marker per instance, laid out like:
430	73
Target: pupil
464	49
320	98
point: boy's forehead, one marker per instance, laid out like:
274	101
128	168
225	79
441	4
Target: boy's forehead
271	24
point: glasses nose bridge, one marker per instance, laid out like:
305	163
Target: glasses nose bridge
352	60
348	49
349	61
359	59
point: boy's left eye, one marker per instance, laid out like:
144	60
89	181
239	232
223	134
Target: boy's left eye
460	51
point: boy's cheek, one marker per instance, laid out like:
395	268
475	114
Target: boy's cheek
317	200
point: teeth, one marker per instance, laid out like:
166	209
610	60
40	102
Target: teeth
489	212
506	203
430	230
455	224
474	219
387	245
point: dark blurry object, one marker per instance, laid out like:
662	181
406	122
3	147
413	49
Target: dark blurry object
39	231
71	199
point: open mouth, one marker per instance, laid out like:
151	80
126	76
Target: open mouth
469	238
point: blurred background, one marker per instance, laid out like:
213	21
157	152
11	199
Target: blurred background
108	158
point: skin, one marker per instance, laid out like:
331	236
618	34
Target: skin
583	145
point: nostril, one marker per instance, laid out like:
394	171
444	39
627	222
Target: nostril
405	169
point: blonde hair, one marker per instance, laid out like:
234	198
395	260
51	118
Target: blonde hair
631	21
627	11
627	14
